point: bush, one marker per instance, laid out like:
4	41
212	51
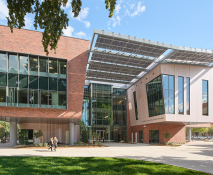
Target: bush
40	144
76	143
80	143
84	136
167	143
46	144
173	144
128	141
99	143
36	145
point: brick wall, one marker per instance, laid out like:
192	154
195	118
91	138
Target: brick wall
73	49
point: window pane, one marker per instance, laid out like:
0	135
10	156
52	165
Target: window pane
12	97
33	82
23	64
62	84
43	67
171	106
204	86
62	100
162	110
180	83
23	97
13	63
12	80
23	81
33	65
53	68
2	96
43	83
165	82
205	97
3	79
180	106
171	82
135	103
166	101
53	99
3	61
44	99
33	98
53	84
63	69
166	94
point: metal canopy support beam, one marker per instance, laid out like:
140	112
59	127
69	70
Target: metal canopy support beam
117	66
117	54
106	80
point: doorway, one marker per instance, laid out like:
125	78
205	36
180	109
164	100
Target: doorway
153	136
140	136
101	134
26	136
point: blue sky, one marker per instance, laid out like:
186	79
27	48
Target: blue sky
183	22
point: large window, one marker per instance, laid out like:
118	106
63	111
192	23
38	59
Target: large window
2	96
42	67
63	69
12	80
23	64
153	136
168	90
155	97
33	66
3	61
23	81
13	64
135	102
53	68
188	96
205	97
180	95
22	98
3	79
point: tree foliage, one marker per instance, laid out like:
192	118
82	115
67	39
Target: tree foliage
38	134
210	130
49	16
167	135
200	130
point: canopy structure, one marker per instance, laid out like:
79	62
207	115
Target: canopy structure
124	59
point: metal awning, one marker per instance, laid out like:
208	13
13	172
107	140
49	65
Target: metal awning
124	59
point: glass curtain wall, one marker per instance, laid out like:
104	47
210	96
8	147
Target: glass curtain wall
135	103
205	97
188	96
169	94
155	97
32	81
180	95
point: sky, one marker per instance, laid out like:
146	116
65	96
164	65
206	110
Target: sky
182	22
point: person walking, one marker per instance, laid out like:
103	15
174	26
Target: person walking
51	144
55	142
103	139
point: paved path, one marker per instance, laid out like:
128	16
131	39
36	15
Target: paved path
194	155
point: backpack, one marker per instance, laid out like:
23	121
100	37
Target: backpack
50	142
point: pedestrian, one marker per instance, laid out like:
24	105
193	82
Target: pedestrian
4	139
103	139
51	144
55	141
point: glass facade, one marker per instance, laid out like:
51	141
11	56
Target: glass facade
104	112
169	94
205	97
135	103
33	81
180	95
188	96
153	136
155	97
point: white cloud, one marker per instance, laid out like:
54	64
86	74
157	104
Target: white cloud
4	12
82	15
68	31
68	4
113	21
81	35
28	22
137	10
118	7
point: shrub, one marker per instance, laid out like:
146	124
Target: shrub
76	143
36	145
40	144
99	143
66	146
80	143
172	143
167	143
46	144
84	136
128	141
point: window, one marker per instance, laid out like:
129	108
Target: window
13	64
53	99
62	85
42	67
3	79
12	80
2	96
62	100
23	81
155	97
23	64
53	68
33	66
33	98
63	69
33	84
168	90
188	96
53	84
153	136
44	99
3	61
135	102
22	98
205	97
43	83
180	95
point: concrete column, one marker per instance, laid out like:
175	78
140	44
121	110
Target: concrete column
132	137
189	134
13	133
136	138
71	133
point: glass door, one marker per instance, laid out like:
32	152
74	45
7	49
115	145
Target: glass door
153	136
12	96
140	136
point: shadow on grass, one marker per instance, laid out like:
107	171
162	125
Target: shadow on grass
86	165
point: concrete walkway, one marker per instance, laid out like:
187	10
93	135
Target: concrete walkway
195	155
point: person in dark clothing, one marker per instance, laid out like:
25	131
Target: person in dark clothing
55	141
51	144
103	139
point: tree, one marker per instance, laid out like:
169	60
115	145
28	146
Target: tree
167	135
210	131
96	136
2	131
49	16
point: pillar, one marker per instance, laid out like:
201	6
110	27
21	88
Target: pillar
13	133
71	133
136	138
189	134
132	137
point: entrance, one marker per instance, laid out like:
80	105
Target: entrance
101	134
12	96
140	136
26	136
153	136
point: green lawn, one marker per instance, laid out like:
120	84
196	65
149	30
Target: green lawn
68	165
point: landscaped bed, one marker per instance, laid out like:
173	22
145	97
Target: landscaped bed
86	165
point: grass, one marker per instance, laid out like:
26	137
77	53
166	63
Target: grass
86	165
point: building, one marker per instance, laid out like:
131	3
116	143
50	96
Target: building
120	86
